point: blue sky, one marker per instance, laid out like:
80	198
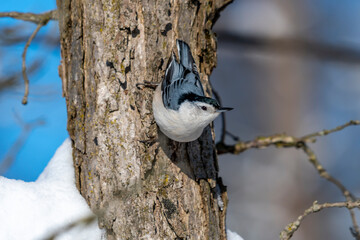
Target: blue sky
45	100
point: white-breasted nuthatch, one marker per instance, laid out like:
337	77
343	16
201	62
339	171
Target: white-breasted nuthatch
180	107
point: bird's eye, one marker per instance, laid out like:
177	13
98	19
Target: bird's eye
204	108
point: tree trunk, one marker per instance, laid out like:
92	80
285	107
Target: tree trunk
144	185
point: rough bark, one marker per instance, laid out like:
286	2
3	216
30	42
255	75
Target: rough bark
147	186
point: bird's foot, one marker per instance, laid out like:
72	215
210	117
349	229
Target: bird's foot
149	142
147	84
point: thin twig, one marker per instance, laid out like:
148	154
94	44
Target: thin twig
336	129
292	227
277	140
31	17
224	132
223	121
87	220
235	138
355	231
26	79
324	174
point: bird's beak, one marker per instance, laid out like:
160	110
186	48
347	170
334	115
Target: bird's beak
223	109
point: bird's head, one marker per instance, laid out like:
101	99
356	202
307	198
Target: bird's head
201	109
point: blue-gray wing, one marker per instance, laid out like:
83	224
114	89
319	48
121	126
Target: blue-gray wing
180	78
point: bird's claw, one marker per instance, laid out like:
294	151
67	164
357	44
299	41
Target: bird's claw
147	84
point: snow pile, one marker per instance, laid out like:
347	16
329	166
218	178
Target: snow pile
35	210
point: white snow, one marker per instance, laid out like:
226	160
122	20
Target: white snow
233	235
35	210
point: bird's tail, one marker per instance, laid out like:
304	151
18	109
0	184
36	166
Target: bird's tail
185	56
174	70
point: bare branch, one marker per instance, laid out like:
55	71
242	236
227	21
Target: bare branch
324	174
277	140
26	79
42	18
283	140
355	229
292	227
336	129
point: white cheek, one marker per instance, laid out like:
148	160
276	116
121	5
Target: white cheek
188	111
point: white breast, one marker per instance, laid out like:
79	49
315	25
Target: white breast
182	125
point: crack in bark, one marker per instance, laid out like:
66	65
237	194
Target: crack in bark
79	177
167	220
148	172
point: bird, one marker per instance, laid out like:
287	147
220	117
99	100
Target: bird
180	107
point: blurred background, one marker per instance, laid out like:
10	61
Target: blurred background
285	66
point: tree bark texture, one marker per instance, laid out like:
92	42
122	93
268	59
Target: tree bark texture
144	185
